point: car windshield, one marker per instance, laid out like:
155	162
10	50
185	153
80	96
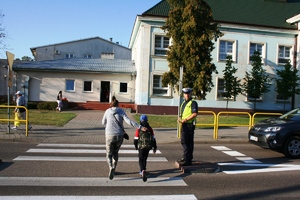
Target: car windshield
293	115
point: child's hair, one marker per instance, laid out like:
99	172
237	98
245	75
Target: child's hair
114	102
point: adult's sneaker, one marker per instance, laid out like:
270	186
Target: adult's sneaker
111	173
14	128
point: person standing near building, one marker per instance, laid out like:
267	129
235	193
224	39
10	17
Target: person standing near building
188	114
20	101
59	101
114	133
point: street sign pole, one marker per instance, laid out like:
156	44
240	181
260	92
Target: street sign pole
10	60
179	101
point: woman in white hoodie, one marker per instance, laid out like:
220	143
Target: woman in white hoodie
114	133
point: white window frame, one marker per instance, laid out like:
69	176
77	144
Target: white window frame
126	88
161	47
290	57
69	90
84	83
252	99
159	87
70	55
220	91
262	52
227	49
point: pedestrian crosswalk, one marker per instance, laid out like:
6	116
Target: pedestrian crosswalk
91	153
90	181
83	149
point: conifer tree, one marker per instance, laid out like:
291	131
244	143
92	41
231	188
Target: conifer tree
287	82
232	85
257	80
191	27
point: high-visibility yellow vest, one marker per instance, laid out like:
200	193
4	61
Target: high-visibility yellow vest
187	111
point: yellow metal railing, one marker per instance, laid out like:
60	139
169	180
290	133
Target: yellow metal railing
213	124
13	119
260	113
231	113
216	123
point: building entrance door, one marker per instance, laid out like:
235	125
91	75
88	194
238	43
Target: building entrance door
105	91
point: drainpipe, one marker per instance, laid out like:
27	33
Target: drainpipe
295	67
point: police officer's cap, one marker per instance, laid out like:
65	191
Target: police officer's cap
187	90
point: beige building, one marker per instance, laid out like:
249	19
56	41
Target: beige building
85	70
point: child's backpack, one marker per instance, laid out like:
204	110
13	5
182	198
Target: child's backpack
145	140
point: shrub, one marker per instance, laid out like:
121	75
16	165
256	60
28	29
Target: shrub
47	105
32	105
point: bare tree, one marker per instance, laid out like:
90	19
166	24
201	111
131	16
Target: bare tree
2	33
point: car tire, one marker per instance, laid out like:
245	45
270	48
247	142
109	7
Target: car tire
291	147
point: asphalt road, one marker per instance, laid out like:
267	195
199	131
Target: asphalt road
243	171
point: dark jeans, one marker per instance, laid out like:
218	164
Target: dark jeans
143	156
187	141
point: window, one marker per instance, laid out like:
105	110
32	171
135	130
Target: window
253	99
87	56
221	88
161	45
260	47
87	86
158	90
69	55
70	85
255	47
123	87
283	54
226	48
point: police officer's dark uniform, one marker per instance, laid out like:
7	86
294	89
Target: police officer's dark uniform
188	114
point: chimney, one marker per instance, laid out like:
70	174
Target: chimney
111	39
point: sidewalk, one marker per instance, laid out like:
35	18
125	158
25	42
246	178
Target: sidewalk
86	128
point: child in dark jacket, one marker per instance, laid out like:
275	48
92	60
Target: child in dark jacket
144	141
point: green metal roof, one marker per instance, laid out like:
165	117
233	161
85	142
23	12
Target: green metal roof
266	13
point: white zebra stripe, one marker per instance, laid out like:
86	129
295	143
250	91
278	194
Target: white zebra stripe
124	197
83	151
81	145
84	159
90	182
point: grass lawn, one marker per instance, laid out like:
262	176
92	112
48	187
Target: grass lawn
170	121
43	117
53	118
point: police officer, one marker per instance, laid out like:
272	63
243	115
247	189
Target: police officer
188	114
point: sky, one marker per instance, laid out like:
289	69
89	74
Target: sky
34	23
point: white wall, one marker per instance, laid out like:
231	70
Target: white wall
146	63
45	86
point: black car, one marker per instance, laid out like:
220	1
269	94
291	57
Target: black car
281	134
